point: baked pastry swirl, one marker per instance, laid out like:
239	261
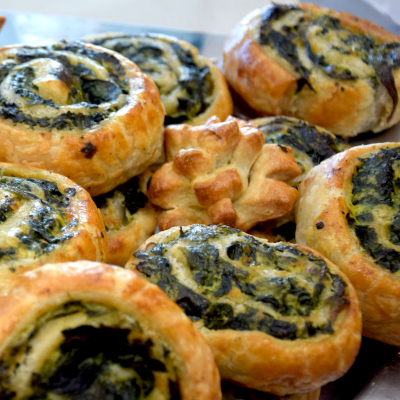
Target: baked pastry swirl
192	88
79	110
329	68
349	211
222	172
128	217
279	317
91	331
45	217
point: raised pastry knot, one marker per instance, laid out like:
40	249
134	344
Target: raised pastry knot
222	173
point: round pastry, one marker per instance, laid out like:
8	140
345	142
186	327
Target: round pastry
230	391
222	172
79	110
279	318
128	217
349	211
192	88
87	330
45	217
329	68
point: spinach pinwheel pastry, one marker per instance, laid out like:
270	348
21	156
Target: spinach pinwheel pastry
128	216
349	210
192	88
329	68
88	330
80	110
45	217
279	318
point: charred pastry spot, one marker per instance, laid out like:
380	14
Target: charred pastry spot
319	225
89	150
283	148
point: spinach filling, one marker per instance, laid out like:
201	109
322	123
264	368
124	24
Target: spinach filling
121	203
89	93
268	283
187	86
303	138
40	229
288	38
92	362
375	206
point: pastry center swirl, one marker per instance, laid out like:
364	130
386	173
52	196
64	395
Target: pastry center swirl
87	351
225	279
62	86
184	83
306	42
375	207
33	218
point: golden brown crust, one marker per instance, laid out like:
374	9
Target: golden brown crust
86	237
269	87
250	357
323	200
123	145
219	99
53	285
222	173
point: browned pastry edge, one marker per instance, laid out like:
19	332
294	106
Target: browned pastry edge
54	284
89	242
125	145
270	89
322	199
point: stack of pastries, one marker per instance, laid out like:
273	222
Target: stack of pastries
107	139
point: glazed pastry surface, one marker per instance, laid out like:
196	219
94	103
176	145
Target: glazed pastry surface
354	196
222	172
79	110
279	317
192	88
329	68
45	217
88	330
128	217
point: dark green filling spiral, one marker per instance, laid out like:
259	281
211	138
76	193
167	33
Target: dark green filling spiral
376	186
382	57
216	275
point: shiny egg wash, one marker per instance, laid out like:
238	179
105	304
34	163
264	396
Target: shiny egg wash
119	206
63	86
374	206
308	43
184	83
87	351
33	218
225	279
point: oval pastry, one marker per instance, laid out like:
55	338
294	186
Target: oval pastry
128	217
79	110
329	68
221	172
192	88
349	211
45	217
278	317
91	331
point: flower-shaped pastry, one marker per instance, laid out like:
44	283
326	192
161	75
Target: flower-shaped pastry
222	172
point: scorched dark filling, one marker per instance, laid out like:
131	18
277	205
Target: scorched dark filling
225	279
75	87
109	356
33	217
374	206
346	54
185	84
